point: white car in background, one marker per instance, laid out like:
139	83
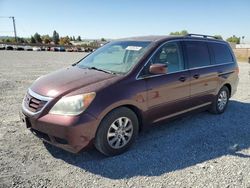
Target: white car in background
36	48
2	46
19	48
28	48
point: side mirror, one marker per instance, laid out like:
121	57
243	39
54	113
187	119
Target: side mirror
158	68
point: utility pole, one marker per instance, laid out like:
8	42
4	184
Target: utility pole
14	25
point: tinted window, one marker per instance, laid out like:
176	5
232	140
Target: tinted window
197	54
170	55
221	53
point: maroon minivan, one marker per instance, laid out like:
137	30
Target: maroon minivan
127	85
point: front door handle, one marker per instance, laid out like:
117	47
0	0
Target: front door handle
182	79
196	76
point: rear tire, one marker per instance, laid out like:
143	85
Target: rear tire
220	102
117	131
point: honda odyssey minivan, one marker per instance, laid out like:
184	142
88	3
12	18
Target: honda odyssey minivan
128	85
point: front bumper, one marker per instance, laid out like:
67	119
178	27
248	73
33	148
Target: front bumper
71	133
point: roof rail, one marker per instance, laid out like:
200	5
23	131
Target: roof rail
199	35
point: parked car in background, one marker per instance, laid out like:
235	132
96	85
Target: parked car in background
74	49
28	48
77	49
128	85
61	49
54	49
9	47
69	49
43	48
2	46
36	48
47	48
88	50
19	48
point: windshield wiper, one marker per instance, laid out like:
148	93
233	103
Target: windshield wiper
106	71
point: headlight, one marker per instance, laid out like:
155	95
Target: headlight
72	105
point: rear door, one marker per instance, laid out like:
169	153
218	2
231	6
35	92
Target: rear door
224	62
203	76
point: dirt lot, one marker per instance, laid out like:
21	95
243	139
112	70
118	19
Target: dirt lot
201	150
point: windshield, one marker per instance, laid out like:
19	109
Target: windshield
115	57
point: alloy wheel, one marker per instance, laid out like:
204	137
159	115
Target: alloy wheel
222	100
120	132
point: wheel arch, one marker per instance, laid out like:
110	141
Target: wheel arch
229	87
138	113
133	108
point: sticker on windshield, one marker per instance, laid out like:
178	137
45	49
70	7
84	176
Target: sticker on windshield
134	48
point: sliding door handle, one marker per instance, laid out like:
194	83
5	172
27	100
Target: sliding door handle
182	79
196	76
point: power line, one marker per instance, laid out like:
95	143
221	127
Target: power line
5	31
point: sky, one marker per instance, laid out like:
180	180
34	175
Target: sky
94	19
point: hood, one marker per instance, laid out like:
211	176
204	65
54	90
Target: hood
67	80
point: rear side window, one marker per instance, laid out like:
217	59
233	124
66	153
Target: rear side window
197	54
221	53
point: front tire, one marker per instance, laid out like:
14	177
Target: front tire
219	104
117	132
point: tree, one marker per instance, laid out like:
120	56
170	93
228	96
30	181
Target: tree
7	40
46	39
218	37
64	41
74	39
79	38
103	39
37	38
21	40
234	39
183	32
94	44
55	37
32	39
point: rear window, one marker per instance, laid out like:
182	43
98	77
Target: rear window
197	54
221	53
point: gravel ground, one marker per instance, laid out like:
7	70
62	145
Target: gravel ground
201	150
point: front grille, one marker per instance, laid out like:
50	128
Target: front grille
33	104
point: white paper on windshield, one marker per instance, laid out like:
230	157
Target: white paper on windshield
134	48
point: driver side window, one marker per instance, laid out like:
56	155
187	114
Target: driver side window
169	54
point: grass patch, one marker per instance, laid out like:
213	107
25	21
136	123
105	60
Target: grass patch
242	59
